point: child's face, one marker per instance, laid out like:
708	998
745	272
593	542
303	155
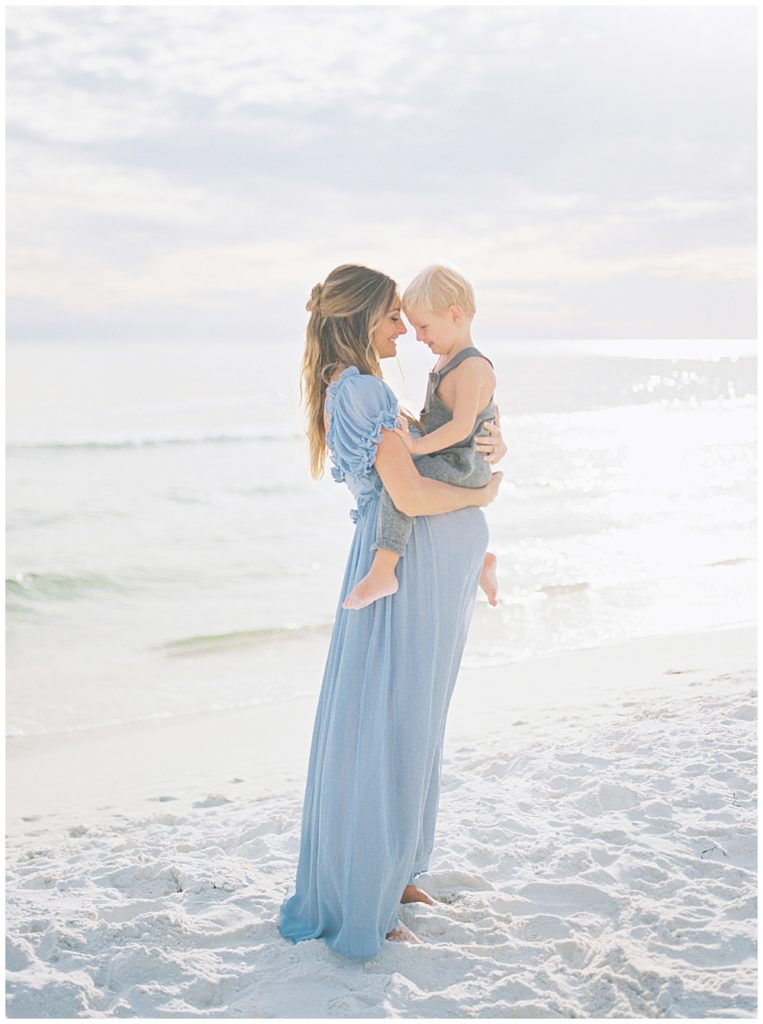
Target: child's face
438	331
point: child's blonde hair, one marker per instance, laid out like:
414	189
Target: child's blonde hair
437	288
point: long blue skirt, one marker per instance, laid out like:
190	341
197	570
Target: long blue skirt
370	806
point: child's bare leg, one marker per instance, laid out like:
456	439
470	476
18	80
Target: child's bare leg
488	578
380	581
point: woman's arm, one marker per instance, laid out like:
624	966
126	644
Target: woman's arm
417	495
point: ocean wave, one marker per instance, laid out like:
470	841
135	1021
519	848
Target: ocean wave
17	733
555	589
155	440
52	584
23	519
665	393
215	643
728	561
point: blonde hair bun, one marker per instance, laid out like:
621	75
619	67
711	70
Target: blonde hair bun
313	304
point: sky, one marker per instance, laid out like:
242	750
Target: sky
190	172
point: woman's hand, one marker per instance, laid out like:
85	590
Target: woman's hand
491	445
490	490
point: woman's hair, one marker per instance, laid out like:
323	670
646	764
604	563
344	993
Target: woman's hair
437	288
344	313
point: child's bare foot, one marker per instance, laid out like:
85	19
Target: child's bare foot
401	933
380	581
370	589
489	579
412	894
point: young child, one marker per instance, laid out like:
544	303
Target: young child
440	305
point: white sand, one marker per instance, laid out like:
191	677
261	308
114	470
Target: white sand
596	855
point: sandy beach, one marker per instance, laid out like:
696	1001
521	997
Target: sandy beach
207	209
596	854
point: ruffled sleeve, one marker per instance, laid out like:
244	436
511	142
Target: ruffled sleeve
359	407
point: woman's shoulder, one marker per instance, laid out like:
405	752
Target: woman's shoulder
359	390
358	402
360	406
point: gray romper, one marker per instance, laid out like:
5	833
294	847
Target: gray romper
460	464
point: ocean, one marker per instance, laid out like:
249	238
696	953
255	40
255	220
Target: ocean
169	554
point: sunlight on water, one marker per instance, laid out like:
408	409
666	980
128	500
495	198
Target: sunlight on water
168	551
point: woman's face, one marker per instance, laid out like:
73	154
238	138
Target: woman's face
389	329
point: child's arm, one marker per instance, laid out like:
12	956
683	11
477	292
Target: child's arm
417	495
475	377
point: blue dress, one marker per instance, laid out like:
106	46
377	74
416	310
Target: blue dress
368	818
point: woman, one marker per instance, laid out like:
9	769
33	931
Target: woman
373	776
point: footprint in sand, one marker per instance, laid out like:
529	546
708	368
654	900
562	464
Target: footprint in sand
213	800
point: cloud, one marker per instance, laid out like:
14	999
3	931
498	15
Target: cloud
203	162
